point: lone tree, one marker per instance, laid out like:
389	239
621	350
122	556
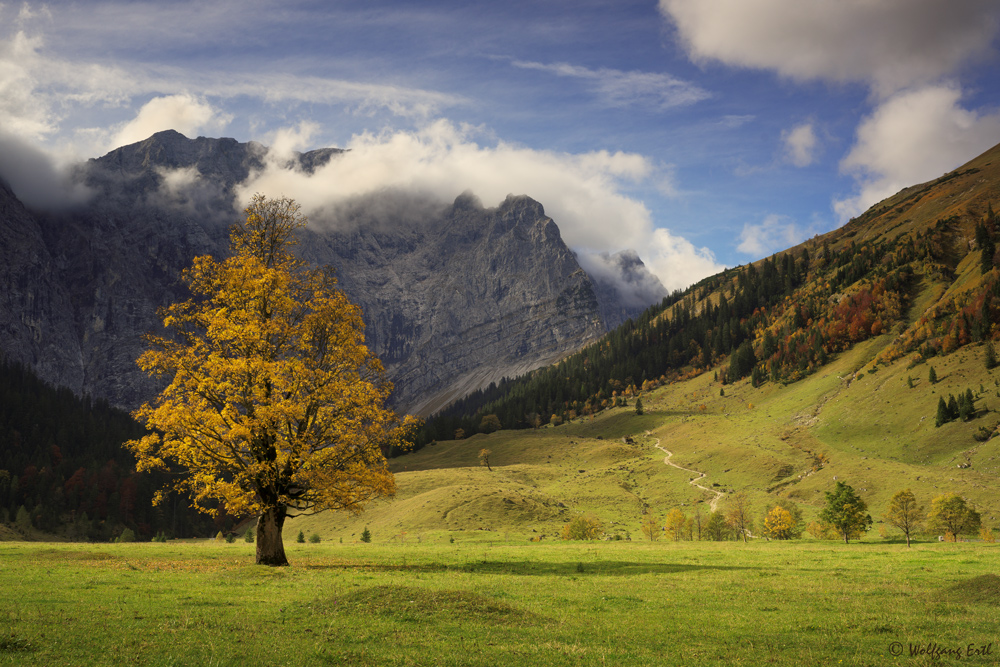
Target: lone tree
275	406
904	513
738	516
953	515
484	458
846	512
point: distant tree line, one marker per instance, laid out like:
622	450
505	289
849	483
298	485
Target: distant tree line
774	321
63	468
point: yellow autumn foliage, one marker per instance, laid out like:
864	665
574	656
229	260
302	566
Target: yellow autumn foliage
274	402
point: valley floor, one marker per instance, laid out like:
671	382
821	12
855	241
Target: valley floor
493	602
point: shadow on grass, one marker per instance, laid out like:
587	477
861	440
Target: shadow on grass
535	568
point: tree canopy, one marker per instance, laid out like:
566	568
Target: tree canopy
950	513
846	512
275	406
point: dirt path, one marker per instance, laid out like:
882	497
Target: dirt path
713	506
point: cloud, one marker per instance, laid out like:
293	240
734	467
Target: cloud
183	113
620	89
40	91
581	192
889	44
801	145
776	232
37	179
637	287
913	137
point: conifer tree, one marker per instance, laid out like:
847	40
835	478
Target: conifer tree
942	413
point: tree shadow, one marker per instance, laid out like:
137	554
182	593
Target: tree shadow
531	568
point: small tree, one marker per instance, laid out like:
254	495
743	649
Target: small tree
583	528
460	434
942	416
904	513
846	512
484	458
779	523
489	424
128	535
366	535
739	516
990	356
651	527
22	519
638	406
716	527
782	527
674	523
932	375
301	539
950	513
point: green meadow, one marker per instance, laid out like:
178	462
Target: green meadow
481	600
466	566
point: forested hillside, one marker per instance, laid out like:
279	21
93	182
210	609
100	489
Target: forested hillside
63	469
919	265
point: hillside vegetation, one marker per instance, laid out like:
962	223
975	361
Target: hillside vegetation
777	379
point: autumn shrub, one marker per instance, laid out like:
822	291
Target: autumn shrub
583	528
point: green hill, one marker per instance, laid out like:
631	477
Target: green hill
778	379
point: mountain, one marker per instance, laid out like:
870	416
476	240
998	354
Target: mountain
916	273
455	296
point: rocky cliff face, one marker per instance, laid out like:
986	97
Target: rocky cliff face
454	298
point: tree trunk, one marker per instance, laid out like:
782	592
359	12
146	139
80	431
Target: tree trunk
270	548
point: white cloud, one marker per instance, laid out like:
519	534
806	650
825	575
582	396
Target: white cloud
890	44
913	137
801	145
40	91
38	179
183	113
775	233
618	88
581	192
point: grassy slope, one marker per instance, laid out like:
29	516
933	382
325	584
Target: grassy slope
875	433
853	421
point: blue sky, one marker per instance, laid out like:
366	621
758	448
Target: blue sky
702	133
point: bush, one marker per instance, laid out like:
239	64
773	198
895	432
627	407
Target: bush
583	528
248	537
366	535
314	538
127	536
230	538
301	539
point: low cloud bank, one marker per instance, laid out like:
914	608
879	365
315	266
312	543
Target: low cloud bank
583	193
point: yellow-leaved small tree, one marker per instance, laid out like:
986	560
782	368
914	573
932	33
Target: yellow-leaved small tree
275	407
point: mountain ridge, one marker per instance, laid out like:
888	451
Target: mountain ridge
458	287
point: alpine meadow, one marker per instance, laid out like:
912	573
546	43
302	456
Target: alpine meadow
610	334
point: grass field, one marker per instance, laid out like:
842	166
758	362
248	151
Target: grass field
872	430
478	602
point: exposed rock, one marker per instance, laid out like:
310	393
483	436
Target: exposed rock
454	296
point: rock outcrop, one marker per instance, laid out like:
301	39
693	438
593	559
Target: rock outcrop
453	298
